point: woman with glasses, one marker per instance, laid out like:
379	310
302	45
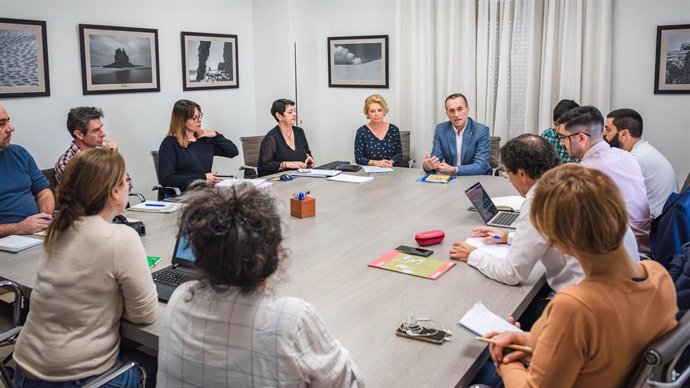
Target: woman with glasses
284	147
186	154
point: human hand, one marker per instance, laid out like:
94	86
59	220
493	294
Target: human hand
383	163
295	165
488	233
309	161
212	178
33	224
109	144
502	341
461	250
205	133
430	162
445	168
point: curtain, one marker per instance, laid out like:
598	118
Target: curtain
513	59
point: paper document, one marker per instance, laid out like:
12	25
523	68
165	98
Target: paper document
16	244
497	250
376	169
156	207
261	183
316	173
481	320
509	203
351	178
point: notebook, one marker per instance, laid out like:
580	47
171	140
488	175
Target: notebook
315	173
181	270
351	178
15	244
480	320
487	209
156	207
425	267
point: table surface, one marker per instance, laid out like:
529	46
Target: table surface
362	306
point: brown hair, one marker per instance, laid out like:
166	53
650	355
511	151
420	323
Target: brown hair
579	208
183	110
375	99
88	180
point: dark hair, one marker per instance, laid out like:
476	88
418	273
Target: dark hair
454	96
562	107
79	117
183	110
235	234
532	153
627	119
586	118
279	106
89	178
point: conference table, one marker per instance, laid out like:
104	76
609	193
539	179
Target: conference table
362	306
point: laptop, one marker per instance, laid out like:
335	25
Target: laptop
487	209
181	270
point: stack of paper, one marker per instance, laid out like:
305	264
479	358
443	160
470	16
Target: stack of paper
16	244
496	250
351	178
156	207
481	320
315	173
261	183
376	169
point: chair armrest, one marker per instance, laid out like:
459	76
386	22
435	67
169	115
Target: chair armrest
18	300
139	196
168	189
245	167
113	373
10	335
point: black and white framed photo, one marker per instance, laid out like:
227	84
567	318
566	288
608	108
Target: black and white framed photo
209	61
672	74
23	58
358	61
119	59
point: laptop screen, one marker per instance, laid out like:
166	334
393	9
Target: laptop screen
183	253
481	201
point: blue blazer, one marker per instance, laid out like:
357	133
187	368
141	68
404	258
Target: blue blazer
476	144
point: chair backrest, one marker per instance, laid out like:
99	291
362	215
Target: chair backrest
658	361
494	154
250	151
405	141
687	183
49	173
155	157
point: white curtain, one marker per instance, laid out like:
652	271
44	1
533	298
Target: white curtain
513	59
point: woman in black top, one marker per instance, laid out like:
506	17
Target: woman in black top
284	147
378	142
186	154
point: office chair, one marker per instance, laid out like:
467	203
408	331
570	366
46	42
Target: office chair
250	151
49	173
406	161
163	191
9	336
494	153
657	363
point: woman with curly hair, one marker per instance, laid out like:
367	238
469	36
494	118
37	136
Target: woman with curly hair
225	329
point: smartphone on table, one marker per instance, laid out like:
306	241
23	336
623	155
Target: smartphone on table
414	251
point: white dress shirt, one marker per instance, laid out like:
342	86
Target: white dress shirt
659	177
458	143
625	172
527	247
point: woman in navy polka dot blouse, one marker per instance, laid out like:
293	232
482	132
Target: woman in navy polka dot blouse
378	142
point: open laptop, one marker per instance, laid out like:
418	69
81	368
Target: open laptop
181	270
487	209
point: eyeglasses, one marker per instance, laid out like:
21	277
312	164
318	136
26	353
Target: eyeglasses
561	137
198	118
4	121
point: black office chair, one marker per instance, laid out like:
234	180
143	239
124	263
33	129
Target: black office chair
494	153
250	150
406	160
163	191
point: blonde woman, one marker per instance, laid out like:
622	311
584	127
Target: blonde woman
377	143
186	154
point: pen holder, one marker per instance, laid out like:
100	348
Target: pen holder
304	208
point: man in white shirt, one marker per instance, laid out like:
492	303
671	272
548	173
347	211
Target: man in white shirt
525	158
623	129
581	131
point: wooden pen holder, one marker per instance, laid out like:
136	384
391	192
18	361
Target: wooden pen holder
304	208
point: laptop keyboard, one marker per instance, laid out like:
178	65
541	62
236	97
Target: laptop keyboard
505	218
171	277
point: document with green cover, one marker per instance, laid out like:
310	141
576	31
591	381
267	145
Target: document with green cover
425	267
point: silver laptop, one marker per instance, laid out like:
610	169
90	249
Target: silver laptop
487	209
181	270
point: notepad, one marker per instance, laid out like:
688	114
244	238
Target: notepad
259	182
377	169
351	178
510	203
497	250
156	207
15	244
425	267
436	178
480	320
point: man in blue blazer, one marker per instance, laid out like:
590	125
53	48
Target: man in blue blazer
459	133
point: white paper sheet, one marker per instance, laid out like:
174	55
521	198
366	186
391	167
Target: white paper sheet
481	320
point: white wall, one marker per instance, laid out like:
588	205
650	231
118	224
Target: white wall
137	121
666	116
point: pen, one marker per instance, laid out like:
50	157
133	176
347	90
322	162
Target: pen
494	235
154	204
512	346
47	218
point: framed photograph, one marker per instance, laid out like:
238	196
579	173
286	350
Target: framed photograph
672	74
209	61
23	58
358	61
118	59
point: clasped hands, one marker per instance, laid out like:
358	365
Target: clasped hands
433	163
308	163
461	250
381	163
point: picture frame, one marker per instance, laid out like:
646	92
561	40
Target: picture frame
358	61
672	71
209	61
119	59
23	58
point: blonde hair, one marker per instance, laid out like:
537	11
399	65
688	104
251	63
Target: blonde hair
375	99
88	180
579	208
183	110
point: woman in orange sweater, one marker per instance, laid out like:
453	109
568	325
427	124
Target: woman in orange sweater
591	334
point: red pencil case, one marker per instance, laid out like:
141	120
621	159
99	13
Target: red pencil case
430	237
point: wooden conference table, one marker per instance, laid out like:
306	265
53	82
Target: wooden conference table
362	306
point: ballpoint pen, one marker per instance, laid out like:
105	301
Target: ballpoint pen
494	236
154	204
